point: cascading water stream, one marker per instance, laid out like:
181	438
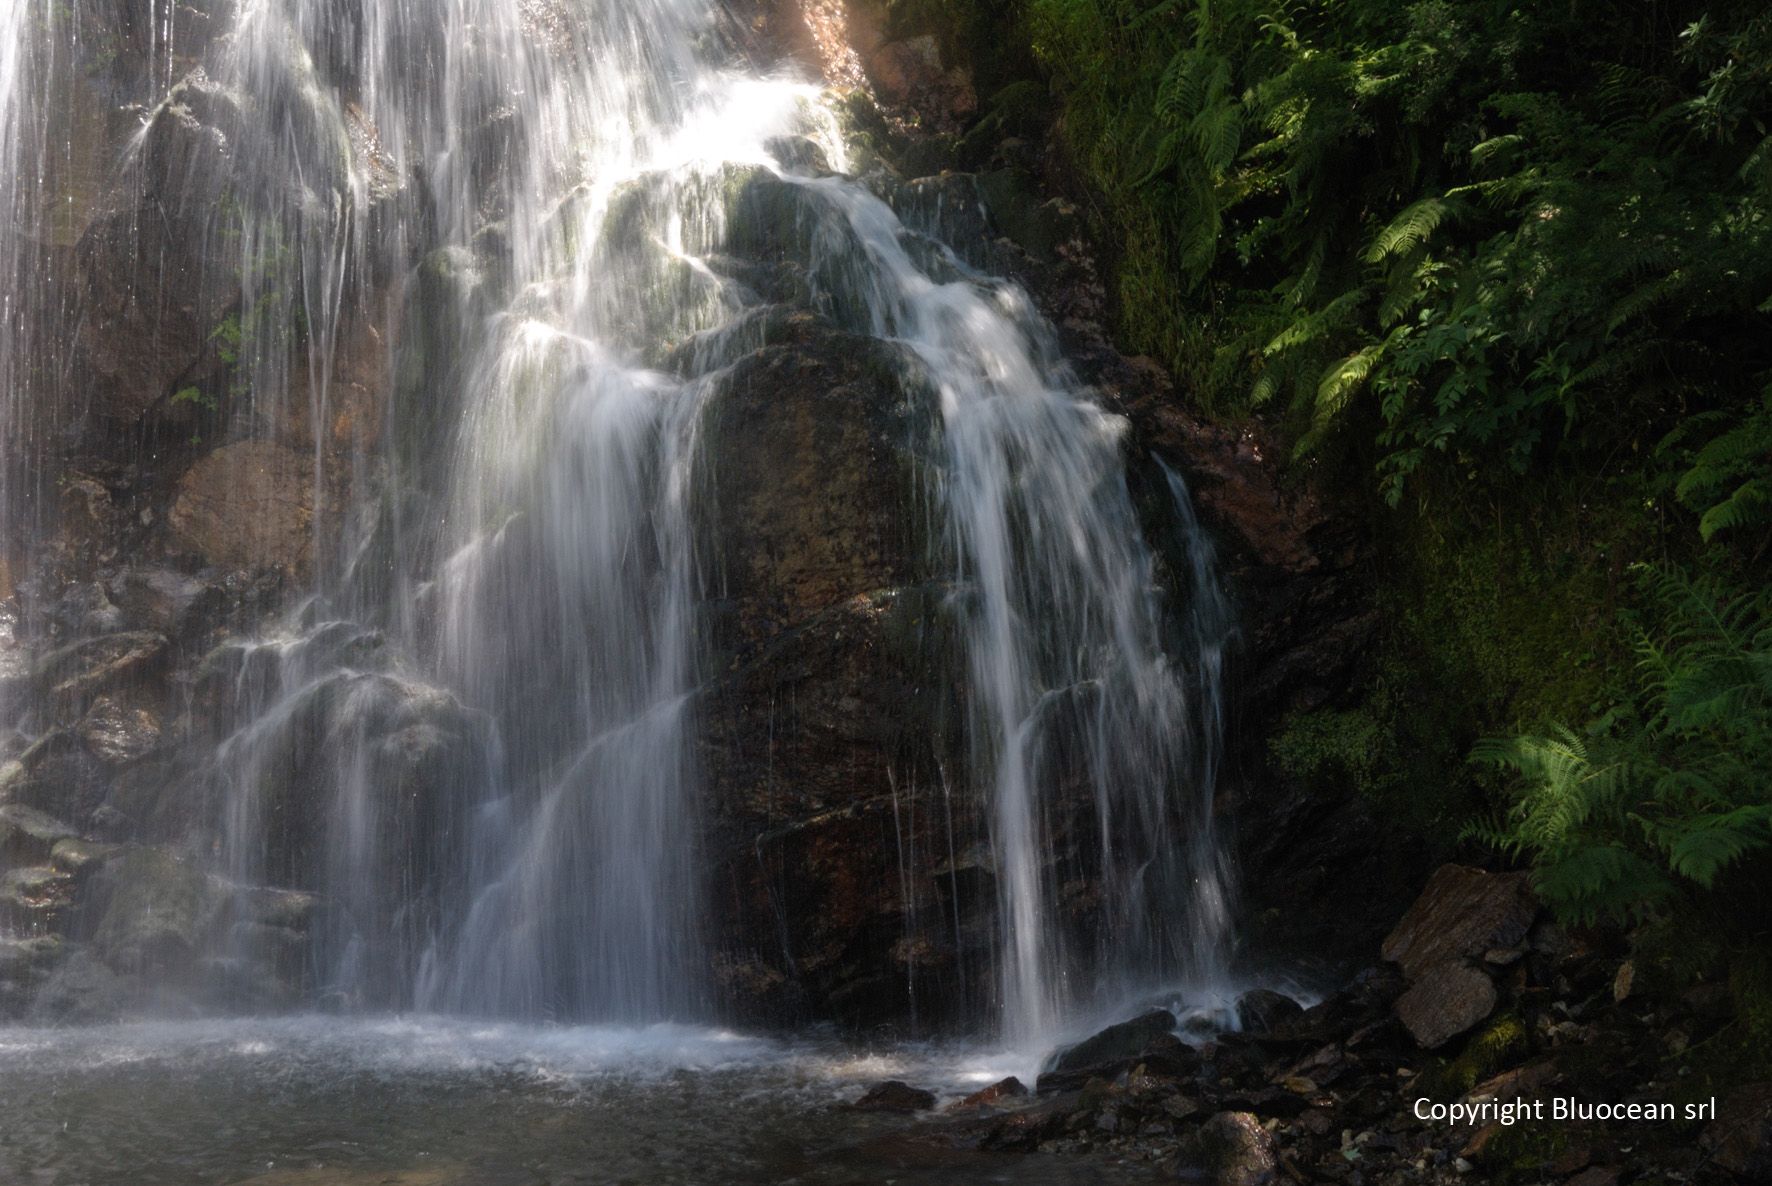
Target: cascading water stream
524	566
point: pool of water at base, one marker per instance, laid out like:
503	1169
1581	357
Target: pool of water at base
312	1101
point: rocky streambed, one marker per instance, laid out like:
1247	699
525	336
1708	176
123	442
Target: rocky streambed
1491	1044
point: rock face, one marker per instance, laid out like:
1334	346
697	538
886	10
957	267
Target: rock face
1462	928
249	505
848	863
153	302
826	720
910	74
1462	914
156	914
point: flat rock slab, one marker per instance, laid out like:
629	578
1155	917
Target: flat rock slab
1462	914
1445	1003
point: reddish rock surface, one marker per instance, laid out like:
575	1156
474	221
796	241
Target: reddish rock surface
248	505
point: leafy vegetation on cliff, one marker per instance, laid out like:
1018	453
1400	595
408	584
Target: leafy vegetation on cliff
1500	276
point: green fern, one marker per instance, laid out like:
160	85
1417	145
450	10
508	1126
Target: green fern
1730	479
1621	816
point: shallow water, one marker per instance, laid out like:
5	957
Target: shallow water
435	1102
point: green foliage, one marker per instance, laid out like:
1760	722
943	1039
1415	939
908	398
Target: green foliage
1499	1045
1730	478
1664	795
1476	233
195	397
228	337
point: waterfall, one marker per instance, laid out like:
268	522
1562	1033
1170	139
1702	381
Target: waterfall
537	202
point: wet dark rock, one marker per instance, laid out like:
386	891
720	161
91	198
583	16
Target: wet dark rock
154	801
27	834
1230	1149
1597	1175
34	899
1154	1031
86	668
155	913
67	782
177	604
74	855
116	733
809	475
86	610
1260	1010
1325	872
151	293
1446	1002
1740	1138
895	1096
1461	914
1174	1062
80	990
1022	1130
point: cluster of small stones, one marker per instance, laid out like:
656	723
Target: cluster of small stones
1344	1092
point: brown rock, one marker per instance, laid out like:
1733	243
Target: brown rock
1445	1003
806	463
1596	1175
1740	1138
910	73
1524	1081
905	68
1462	914
248	505
97	664
1317	1121
1573	1158
1479	1142
115	733
1231	1149
1006	1089
895	1096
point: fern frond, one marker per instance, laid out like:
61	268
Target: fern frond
1417	221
